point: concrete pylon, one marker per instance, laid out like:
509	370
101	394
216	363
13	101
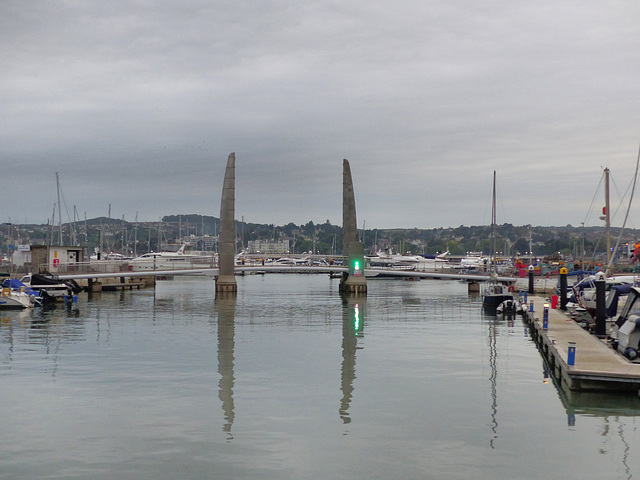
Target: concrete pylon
349	223
354	280
226	280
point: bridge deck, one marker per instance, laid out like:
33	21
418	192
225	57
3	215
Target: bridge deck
370	272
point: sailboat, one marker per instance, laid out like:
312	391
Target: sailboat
583	292
493	292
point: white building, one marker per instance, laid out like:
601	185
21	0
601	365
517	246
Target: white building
268	248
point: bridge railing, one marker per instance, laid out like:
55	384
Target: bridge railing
99	266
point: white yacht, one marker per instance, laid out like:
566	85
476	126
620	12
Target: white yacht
180	260
16	299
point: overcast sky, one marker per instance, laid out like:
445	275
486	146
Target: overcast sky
138	104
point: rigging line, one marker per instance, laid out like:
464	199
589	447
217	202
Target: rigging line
593	200
61	195
626	216
622	197
487	208
595	249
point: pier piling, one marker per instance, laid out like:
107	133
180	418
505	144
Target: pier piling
563	289
601	312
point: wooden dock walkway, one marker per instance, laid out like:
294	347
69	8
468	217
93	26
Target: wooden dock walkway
597	366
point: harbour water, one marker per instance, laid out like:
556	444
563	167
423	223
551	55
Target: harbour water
289	381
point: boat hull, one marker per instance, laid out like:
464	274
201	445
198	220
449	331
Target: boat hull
15	301
492	301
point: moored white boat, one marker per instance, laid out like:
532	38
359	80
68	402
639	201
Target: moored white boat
473	261
387	259
49	288
179	260
625	333
511	306
583	293
14	299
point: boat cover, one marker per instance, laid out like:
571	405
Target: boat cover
15	284
43	280
12	283
614	296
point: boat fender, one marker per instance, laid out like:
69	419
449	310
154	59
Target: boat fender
6	292
631	353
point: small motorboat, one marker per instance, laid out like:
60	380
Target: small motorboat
509	307
48	287
495	294
17	299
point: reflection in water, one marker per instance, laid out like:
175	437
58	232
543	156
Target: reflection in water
226	307
625	455
493	378
496	324
353	316
7	337
42	329
596	404
135	386
610	407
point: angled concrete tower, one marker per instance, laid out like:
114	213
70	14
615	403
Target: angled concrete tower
226	280
353	250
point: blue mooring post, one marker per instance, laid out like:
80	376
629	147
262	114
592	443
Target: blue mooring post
571	354
525	297
531	307
545	317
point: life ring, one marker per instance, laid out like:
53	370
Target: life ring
512	288
6	292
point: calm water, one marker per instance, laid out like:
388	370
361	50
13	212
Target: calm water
287	381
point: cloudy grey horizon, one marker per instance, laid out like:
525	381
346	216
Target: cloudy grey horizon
137	105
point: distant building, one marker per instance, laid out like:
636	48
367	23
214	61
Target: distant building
268	248
201	242
21	256
55	259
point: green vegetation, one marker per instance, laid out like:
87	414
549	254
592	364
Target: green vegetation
324	238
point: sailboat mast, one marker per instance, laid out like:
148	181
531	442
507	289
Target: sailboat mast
493	221
607	218
59	208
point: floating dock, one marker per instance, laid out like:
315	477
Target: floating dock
592	364
116	283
